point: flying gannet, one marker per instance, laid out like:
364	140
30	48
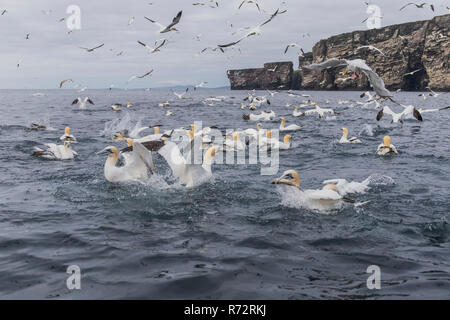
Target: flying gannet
397	117
82	102
168	28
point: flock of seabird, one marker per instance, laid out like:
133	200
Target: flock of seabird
137	156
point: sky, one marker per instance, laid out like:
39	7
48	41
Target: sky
51	54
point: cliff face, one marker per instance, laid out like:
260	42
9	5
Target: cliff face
406	47
422	45
274	76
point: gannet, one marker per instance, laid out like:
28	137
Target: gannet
136	164
153	49
344	138
292	127
386	147
273	144
190	175
396	117
168	28
297	113
181	95
356	65
169	113
56	152
263	116
82	102
200	85
116	106
233	144
320	111
67	136
344	187
422	110
92	49
163	104
325	199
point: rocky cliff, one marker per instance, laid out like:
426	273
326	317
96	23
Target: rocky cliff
274	76
422	45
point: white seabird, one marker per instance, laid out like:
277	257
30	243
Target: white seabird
386	147
397	117
344	138
292	127
56	152
67	136
136	164
168	28
82	102
325	199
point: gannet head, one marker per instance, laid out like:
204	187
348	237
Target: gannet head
289	177
296	109
287	138
283	121
345	132
113	153
235	136
129	142
191	134
67	131
387	141
129	104
209	155
259	126
193	128
316	106
269	134
118	136
156	129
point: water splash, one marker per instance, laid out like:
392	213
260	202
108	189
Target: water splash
367	130
117	125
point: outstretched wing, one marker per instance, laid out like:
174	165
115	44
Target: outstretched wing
331	63
175	20
145	155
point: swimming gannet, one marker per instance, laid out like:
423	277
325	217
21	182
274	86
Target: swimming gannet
397	117
116	106
82	102
169	113
386	147
273	144
233	144
325	199
263	116
292	127
189	174
56	152
345	139
320	111
136	164
297	113
67	136
344	187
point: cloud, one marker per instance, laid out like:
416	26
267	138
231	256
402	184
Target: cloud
51	54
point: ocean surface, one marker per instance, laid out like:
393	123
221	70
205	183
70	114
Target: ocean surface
233	237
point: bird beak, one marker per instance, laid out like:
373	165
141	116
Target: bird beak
106	150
